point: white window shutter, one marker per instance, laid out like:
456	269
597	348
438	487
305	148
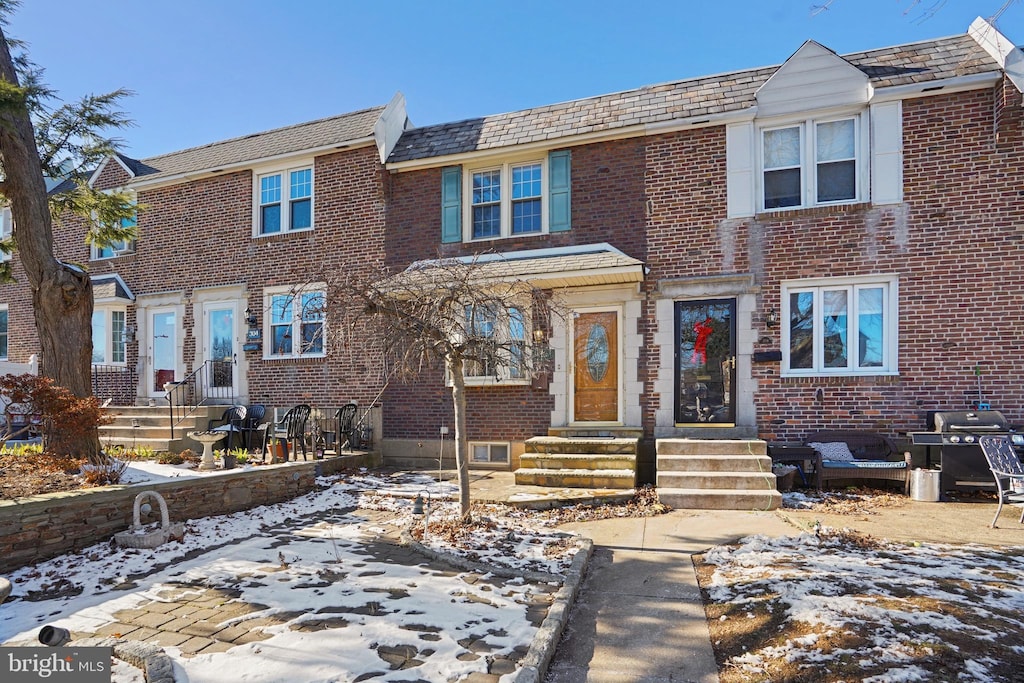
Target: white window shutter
887	153
739	168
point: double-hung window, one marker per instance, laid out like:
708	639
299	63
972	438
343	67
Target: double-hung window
497	345
108	336
840	326
284	201
296	322
119	247
811	163
507	200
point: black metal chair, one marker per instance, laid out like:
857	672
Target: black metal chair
253	424
1006	466
290	429
231	422
346	427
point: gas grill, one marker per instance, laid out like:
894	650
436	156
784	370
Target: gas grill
956	432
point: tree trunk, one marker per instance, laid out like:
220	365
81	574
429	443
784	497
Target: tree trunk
61	294
455	367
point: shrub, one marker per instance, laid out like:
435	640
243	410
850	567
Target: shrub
167	458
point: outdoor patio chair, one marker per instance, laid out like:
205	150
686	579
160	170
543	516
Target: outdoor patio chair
346	427
290	429
1006	466
232	422
252	424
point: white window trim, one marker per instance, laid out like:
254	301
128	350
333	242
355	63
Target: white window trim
505	166
491	464
890	359
284	172
108	352
296	324
808	161
503	377
126	247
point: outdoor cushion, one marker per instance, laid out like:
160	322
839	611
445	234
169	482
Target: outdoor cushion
865	464
835	451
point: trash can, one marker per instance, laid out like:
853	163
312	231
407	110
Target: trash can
924	485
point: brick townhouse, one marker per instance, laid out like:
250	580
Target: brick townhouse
833	242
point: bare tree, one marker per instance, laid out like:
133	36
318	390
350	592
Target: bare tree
471	317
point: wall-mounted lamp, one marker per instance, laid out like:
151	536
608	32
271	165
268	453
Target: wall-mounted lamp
129	333
539	336
250	317
771	318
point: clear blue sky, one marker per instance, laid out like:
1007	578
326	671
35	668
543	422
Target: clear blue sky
207	70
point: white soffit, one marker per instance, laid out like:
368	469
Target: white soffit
813	78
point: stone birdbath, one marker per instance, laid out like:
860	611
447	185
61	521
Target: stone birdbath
207	439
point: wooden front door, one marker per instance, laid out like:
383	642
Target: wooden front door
596	373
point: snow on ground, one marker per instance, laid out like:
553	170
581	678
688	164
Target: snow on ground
313	557
896	609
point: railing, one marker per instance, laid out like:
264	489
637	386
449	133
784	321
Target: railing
211	380
115	384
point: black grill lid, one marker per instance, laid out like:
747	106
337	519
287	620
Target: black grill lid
968	420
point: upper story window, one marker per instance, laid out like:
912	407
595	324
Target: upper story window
296	322
811	163
108	336
498	344
6	229
120	247
509	199
840	326
284	201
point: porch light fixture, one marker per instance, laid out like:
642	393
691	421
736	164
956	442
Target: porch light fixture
771	318
539	336
250	317
129	334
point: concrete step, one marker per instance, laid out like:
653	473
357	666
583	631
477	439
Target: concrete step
714	463
737	481
603	446
720	499
712	447
597	479
583	431
577	461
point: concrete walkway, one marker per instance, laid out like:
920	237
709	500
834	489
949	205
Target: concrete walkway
639	616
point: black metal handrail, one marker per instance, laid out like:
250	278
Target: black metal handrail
211	380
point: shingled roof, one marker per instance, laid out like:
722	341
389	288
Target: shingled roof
321	133
692	98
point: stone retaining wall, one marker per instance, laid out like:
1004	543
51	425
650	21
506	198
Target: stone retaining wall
41	527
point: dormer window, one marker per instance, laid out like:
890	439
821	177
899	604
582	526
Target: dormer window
810	164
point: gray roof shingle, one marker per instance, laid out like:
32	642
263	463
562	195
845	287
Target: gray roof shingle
335	130
691	98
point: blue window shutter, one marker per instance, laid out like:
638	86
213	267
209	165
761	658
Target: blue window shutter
451	204
559	185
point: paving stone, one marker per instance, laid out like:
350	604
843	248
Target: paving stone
152	619
480	677
160	607
169	638
203	628
193	645
117	629
216	646
177	624
251	637
128	615
502	666
183	610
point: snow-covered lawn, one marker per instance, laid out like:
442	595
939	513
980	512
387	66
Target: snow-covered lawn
841	606
318	587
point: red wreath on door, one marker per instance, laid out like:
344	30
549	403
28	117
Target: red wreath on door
700	346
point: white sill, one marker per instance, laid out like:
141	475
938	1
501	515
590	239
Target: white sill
306	356
279	233
492	382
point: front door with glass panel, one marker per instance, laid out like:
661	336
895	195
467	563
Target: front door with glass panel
596	367
220	345
706	363
163	354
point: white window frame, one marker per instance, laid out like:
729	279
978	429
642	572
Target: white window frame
108	311
5	333
890	325
505	171
286	199
506	371
490	462
6	229
808	160
295	321
119	248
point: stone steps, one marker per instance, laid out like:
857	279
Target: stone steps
716	474
578	478
587	461
154	427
